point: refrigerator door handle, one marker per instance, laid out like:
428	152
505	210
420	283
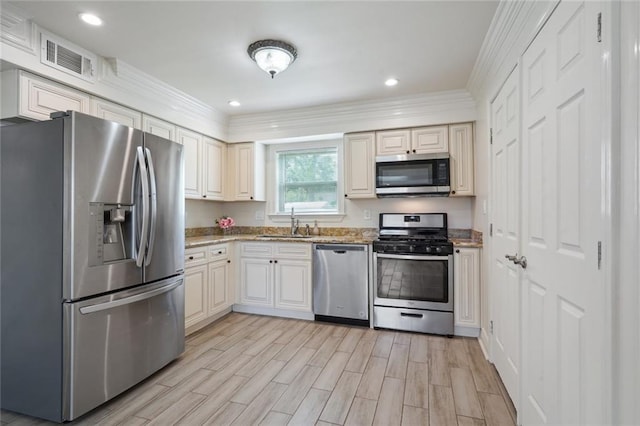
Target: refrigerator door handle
142	247
154	208
129	300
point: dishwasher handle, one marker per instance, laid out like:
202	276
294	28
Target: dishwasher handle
340	248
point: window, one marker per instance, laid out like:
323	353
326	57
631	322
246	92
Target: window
307	178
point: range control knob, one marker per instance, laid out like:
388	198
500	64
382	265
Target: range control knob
438	249
428	250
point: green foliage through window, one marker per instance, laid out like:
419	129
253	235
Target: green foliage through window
308	180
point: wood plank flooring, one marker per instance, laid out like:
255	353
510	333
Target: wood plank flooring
249	369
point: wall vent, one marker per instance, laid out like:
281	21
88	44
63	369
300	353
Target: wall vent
64	56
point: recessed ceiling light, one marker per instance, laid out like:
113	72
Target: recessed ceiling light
391	82
234	103
90	19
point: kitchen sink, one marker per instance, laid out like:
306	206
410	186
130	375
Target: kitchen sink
283	236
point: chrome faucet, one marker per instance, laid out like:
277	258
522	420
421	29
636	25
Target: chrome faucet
295	223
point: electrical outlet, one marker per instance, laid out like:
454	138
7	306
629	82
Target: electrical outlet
367	214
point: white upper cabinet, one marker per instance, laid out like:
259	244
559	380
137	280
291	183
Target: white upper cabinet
461	159
420	140
359	165
213	168
430	140
393	142
113	112
192	143
246	174
204	166
158	127
28	96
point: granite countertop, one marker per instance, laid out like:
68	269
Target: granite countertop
206	240
466	242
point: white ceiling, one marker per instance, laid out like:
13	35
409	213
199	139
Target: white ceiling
346	49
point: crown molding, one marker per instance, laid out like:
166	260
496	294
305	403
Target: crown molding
514	26
161	99
408	111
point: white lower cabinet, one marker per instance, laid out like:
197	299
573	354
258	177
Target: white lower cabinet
466	290
276	276
208	288
195	294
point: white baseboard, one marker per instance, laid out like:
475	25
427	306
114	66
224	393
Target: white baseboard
259	310
466	331
202	324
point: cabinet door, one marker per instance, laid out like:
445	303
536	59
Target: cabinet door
113	112
38	98
461	159
293	284
430	140
256	282
466	291
195	294
244	172
214	168
218	291
192	163
158	127
359	165
393	142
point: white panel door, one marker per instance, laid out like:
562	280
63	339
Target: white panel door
430	140
116	113
293	284
214	168
158	127
359	165
244	172
192	163
505	213
256	282
195	295
564	353
218	296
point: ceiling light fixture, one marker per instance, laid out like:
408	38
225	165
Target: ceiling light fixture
234	103
90	19
391	82
273	56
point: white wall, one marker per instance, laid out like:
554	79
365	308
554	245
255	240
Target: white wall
202	214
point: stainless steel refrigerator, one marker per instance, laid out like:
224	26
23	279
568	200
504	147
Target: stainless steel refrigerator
92	262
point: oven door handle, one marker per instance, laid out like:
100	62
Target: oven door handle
410	257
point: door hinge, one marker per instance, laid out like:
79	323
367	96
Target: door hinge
491	326
491	229
491	136
599	254
599	34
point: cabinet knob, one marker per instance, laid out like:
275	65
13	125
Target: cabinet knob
220	252
251	198
345	195
414	151
190	257
271	261
408	152
453	192
275	261
457	250
204	195
228	261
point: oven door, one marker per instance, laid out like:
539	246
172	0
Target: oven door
414	281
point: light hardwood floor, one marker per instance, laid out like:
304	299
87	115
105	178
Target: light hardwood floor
249	369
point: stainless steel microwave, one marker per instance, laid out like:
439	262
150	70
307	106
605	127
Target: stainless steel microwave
412	175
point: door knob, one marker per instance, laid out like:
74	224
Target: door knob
522	262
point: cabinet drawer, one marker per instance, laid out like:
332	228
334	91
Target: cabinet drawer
195	256
256	249
293	250
218	252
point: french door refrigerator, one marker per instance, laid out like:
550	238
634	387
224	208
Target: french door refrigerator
92	262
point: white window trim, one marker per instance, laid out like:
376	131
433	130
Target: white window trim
272	180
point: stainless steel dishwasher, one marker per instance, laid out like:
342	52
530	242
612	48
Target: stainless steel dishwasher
341	283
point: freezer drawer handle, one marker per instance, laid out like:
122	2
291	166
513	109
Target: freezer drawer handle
406	314
339	251
128	300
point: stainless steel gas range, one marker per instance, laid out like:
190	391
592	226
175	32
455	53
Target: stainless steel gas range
413	273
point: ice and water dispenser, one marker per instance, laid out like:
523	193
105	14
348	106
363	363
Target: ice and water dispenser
113	236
